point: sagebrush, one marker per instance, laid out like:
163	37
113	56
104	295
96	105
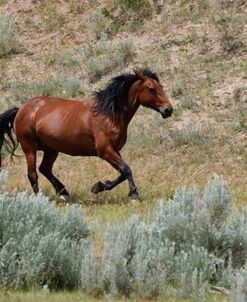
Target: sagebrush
182	248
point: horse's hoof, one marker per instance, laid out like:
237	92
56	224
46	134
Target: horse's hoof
134	195
135	201
98	187
64	197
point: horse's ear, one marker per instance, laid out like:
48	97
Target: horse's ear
139	75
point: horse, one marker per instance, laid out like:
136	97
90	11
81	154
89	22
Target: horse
93	127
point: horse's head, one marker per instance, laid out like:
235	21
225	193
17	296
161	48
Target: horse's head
151	94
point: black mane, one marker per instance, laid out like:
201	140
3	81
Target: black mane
113	99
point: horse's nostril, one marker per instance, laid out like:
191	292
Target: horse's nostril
167	112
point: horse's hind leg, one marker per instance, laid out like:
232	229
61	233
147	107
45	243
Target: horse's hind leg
30	155
46	169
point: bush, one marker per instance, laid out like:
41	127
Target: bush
23	91
100	58
189	243
39	244
116	16
8	41
230	28
194	240
191	135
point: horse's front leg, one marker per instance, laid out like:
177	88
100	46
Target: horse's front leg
108	184
115	159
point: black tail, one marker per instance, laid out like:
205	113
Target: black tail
6	137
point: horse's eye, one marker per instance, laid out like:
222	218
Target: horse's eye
152	90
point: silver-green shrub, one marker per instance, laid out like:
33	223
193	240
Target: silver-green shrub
70	87
98	59
8	41
39	244
192	241
238	286
195	240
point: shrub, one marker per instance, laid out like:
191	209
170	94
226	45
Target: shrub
238	287
187	245
69	87
111	18
190	135
194	240
52	18
39	244
8	41
189	101
230	28
100	58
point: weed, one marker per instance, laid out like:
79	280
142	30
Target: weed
189	101
23	91
230	28
100	58
62	59
190	135
182	42
177	89
8	40
110	19
51	17
76	7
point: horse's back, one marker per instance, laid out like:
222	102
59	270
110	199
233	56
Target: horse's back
60	124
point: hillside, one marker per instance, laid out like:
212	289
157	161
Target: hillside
198	49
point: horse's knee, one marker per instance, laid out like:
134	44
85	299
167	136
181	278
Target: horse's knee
125	170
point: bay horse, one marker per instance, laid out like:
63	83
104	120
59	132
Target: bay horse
95	127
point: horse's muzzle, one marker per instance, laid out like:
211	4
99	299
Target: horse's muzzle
166	112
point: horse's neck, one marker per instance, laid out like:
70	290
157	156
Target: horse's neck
133	103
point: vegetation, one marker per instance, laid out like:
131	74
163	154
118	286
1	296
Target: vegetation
193	240
141	257
39	245
8	41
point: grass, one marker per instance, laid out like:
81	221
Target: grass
80	297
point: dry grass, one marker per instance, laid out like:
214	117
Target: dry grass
78	296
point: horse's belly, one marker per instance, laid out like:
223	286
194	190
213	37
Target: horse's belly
75	147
